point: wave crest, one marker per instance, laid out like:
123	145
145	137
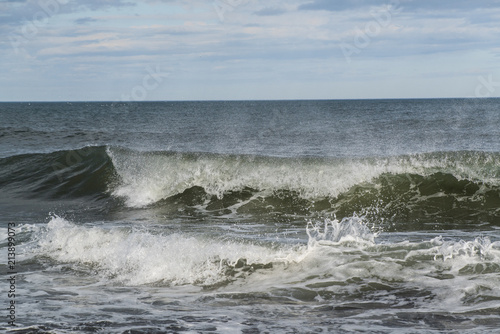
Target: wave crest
423	188
148	177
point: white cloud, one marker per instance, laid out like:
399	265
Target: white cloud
288	50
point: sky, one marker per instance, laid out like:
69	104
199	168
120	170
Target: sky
126	50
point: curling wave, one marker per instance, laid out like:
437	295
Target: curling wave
444	187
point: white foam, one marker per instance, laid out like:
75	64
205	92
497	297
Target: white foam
480	248
340	257
137	257
343	258
147	177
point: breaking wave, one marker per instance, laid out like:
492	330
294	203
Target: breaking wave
447	186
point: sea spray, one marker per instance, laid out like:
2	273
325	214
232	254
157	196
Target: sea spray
349	230
137	256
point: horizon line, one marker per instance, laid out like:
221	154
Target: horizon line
257	100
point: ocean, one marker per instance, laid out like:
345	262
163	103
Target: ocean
342	216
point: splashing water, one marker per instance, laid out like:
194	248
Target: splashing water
348	230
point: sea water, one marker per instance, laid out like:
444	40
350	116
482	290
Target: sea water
373	216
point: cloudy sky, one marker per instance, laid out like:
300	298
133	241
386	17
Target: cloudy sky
117	50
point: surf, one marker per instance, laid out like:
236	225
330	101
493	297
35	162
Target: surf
444	187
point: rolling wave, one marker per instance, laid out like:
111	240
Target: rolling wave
62	174
442	186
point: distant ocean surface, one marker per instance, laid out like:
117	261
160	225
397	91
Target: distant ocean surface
356	216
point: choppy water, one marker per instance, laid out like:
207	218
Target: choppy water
279	217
